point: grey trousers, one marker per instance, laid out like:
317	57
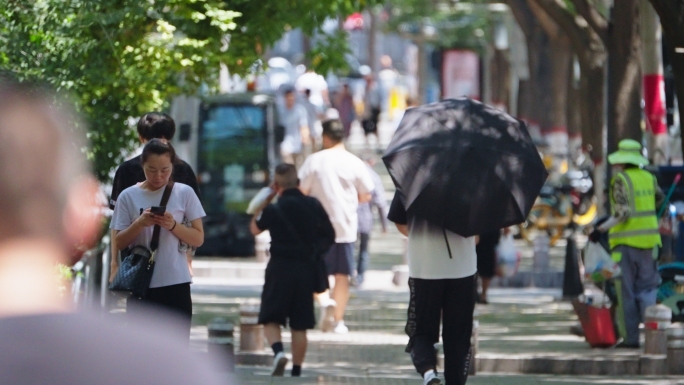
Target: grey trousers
636	289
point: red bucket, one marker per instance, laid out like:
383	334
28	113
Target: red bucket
598	327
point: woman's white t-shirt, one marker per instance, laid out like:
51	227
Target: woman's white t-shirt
171	267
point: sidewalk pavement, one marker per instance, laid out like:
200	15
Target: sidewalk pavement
521	331
524	333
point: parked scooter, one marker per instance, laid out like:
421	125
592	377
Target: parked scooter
571	202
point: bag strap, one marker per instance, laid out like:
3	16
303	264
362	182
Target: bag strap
154	243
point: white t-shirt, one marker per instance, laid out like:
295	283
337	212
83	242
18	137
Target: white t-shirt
428	254
336	178
316	84
171	267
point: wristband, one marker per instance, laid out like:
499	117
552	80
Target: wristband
174	225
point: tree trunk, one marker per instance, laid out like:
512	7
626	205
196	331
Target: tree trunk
574	114
561	56
372	39
624	74
653	86
501	79
671	14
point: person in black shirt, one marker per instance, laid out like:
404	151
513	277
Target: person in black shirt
153	125
298	224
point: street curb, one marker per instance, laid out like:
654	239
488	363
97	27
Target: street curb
262	358
572	365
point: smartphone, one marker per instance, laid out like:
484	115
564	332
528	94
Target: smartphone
158	210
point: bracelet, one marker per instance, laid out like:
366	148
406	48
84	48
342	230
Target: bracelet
174	225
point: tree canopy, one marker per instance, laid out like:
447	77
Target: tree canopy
121	58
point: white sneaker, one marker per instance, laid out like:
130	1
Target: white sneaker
430	378
341	328
327	318
279	362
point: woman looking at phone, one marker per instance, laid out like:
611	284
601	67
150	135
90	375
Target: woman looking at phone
134	221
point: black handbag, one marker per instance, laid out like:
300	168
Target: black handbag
135	272
321	283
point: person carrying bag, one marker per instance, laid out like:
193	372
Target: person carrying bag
300	232
152	213
136	270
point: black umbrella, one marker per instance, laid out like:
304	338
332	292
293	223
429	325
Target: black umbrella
465	166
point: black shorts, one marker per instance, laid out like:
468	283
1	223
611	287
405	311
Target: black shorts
288	294
340	259
370	126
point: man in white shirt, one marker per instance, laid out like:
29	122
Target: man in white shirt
295	120
339	180
442	267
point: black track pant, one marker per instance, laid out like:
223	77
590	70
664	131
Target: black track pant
173	302
434	300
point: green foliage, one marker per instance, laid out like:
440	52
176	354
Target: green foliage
455	23
119	59
328	54
122	58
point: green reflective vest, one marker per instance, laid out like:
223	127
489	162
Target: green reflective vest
641	229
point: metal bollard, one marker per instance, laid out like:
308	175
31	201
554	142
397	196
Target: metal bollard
221	341
474	345
675	349
657	319
251	333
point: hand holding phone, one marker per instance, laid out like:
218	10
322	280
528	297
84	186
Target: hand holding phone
158	210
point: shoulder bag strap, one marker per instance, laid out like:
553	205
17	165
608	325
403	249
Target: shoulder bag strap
154	243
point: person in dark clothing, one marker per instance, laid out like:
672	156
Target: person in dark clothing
442	267
300	231
486	261
153	125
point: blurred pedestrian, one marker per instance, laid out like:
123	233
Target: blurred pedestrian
317	87
365	213
314	121
299	228
371	109
633	237
134	224
49	215
295	121
340	181
344	103
486	262
442	267
153	125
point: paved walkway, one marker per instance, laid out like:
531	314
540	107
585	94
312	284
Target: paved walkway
520	326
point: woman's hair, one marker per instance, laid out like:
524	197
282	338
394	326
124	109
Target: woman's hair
158	147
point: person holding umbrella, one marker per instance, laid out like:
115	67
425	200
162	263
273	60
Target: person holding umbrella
461	169
442	267
633	237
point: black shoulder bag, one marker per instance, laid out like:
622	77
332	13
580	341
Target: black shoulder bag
321	272
135	272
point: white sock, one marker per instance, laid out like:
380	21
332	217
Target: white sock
428	373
